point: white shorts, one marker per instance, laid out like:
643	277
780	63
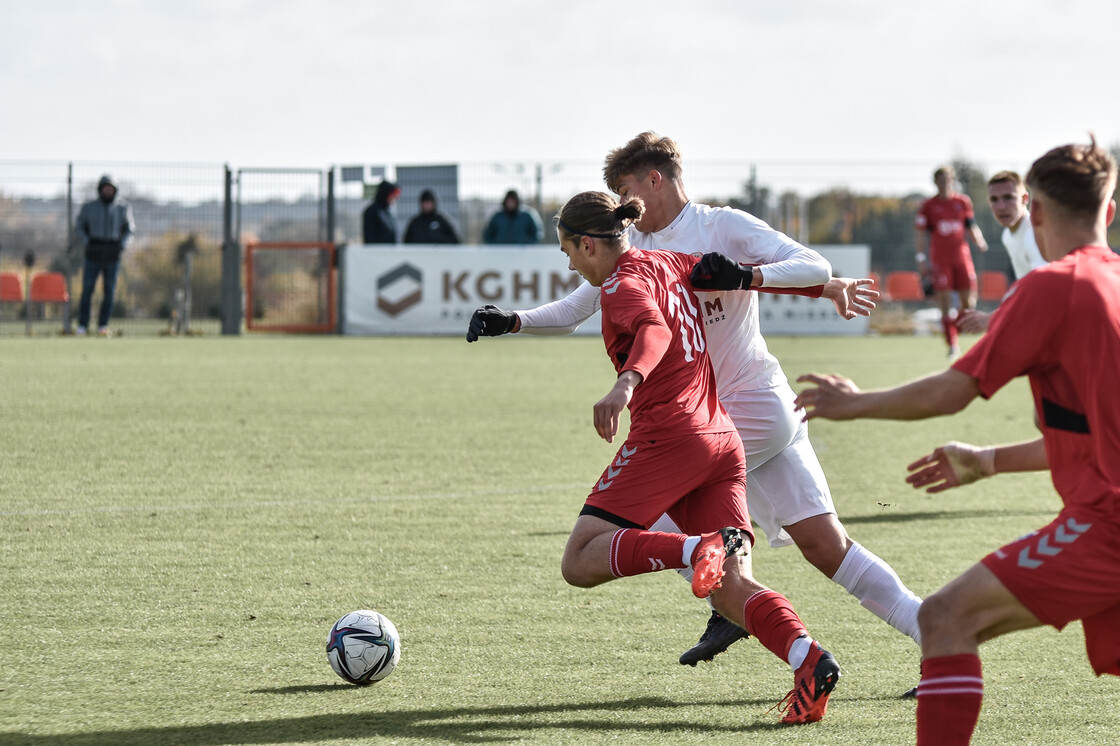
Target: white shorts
785	482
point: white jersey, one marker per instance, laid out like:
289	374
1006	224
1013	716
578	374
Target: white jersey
1022	248
740	358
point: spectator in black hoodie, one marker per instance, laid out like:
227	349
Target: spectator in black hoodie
430	226
378	223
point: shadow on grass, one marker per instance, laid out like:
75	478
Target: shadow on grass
889	516
462	725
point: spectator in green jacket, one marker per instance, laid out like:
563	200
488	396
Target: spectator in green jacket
514	224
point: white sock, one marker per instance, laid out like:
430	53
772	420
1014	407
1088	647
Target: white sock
686	553
798	650
879	590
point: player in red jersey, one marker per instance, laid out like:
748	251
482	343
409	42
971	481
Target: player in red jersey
682	455
1060	327
942	222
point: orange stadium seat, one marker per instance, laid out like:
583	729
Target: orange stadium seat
904	286
11	287
993	285
49	287
876	281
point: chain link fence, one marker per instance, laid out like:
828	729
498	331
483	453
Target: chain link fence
184	215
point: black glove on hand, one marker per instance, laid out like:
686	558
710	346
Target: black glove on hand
715	271
490	321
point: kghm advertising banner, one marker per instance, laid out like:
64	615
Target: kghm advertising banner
429	290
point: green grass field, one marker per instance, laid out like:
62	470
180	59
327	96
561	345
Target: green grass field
183	520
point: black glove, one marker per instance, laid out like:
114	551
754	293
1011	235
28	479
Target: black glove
715	271
490	321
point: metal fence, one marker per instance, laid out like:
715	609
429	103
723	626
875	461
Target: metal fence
186	213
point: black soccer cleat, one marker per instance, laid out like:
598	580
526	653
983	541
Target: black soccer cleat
718	637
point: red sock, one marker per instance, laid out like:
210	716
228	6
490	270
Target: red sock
769	616
949	698
634	552
949	326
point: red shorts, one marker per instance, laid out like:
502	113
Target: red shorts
1069	570
957	274
699	480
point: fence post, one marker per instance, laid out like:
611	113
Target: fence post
69	263
330	206
231	265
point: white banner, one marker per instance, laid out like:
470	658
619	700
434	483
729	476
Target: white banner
424	290
434	290
794	315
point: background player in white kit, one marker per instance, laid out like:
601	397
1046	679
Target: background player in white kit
787	493
1008	198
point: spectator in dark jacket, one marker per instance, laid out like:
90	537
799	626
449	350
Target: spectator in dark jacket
514	224
378	223
430	226
104	227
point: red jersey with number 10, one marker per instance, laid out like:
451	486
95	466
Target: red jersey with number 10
946	221
677	395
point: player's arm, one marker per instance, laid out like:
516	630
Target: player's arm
922	229
558	317
955	464
977	235
715	271
561	316
838	398
972	321
651	340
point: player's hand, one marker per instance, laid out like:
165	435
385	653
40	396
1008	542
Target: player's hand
831	397
715	271
951	465
608	409
972	321
851	297
490	321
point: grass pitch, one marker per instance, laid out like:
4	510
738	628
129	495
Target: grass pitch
183	520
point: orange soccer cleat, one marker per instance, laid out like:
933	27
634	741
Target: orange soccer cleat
813	682
708	557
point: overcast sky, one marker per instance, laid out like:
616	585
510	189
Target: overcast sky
314	83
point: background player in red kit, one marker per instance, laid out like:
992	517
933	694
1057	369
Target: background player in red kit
942	222
1060	327
682	455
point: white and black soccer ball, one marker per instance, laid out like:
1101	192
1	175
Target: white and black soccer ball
363	647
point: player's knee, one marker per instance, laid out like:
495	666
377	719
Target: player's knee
575	573
937	617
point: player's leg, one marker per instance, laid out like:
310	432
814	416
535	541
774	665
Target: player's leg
948	321
765	613
644	480
964	282
790	499
971	609
719	633
599	550
771	618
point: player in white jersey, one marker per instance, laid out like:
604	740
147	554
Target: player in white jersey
1008	198
787	493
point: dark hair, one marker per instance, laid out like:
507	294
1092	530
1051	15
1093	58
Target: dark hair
1080	178
597	214
646	152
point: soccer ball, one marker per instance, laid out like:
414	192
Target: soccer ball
363	647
